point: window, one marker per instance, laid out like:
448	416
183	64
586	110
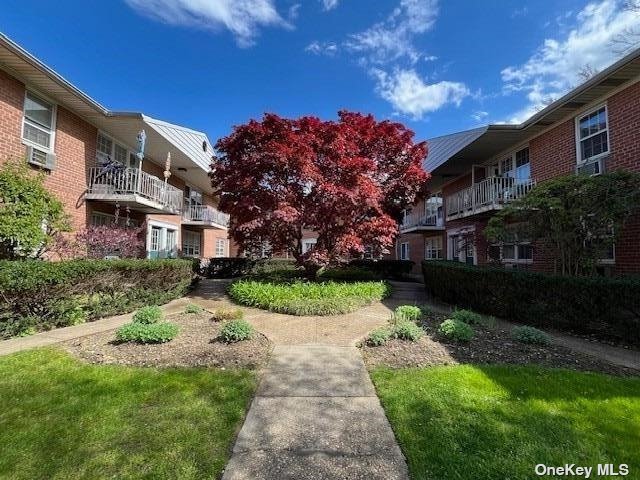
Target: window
107	150
190	243
593	135
99	219
162	242
221	247
38	127
404	251
511	253
308	244
433	210
517	166
433	248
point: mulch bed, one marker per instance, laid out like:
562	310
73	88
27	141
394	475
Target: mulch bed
490	345
195	346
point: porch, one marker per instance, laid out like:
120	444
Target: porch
204	216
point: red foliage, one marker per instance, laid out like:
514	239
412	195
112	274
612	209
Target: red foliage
347	180
104	240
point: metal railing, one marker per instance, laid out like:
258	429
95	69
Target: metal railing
491	192
132	181
205	214
419	219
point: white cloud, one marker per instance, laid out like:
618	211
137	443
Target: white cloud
329	4
322	48
554	68
479	115
411	95
392	39
243	18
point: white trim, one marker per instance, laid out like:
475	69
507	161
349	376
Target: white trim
225	248
54	123
408	253
578	140
115	141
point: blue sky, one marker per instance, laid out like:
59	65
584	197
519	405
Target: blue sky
438	67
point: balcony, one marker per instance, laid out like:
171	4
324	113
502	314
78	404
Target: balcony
204	216
417	221
133	188
487	195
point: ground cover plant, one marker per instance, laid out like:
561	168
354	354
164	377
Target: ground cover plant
470	422
62	418
532	335
456	330
193	308
236	331
159	332
307	298
222	314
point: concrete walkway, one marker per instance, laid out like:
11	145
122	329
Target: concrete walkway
316	416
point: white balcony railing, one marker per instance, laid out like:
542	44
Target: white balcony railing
132	181
488	194
204	214
420	219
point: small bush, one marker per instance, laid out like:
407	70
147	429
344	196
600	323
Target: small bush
456	330
148	315
236	331
406	330
468	317
378	337
192	308
530	335
161	332
224	314
407	312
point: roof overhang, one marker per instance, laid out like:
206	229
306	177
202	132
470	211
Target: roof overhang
185	145
481	144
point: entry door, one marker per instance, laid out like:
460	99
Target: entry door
162	242
155	244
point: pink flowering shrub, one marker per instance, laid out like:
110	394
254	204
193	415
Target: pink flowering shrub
104	240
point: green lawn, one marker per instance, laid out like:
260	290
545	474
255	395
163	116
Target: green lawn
470	422
62	419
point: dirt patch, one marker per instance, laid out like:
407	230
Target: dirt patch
490	345
195	346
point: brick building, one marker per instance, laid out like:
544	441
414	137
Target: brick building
95	164
593	129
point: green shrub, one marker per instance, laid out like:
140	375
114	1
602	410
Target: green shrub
149	314
349	274
224	314
385	268
468	317
456	330
378	337
407	312
407	330
160	332
231	267
236	331
192	308
599	306
58	294
307	298
530	335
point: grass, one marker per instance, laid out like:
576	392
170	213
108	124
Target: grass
307	298
467	422
62	419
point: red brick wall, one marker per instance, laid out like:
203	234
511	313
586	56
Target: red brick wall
554	152
11	108
623	110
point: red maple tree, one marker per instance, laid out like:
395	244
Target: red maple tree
347	180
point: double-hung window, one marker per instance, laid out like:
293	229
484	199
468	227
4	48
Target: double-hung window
38	127
592	130
433	248
221	247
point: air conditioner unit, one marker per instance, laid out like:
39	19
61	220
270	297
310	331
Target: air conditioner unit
41	158
595	167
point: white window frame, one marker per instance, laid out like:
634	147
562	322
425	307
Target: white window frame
511	158
164	227
516	253
406	255
456	253
191	241
308	244
51	131
595	158
132	222
221	252
439	209
433	244
112	155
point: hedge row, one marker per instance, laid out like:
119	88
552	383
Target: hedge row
608	308
37	295
231	267
385	268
